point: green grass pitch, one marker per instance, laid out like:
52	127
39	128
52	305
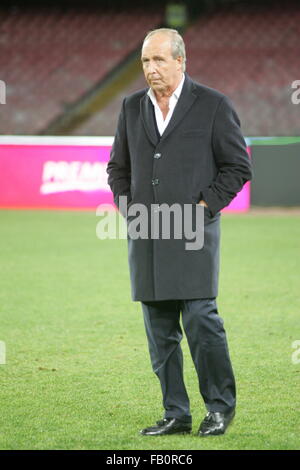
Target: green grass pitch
77	372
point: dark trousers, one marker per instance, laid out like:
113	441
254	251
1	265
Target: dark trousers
208	345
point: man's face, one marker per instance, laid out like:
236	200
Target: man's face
162	72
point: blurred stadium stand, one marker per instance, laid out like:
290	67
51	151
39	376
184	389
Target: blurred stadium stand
51	57
67	69
252	55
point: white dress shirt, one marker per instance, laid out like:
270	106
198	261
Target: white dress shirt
160	121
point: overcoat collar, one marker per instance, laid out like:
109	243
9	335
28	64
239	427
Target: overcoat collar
185	101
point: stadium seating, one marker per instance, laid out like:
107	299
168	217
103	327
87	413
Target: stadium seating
50	58
250	55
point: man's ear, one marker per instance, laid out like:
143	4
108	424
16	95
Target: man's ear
180	61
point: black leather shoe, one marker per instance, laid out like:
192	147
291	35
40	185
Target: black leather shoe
215	423
167	426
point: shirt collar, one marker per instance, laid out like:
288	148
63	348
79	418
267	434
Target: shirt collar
176	93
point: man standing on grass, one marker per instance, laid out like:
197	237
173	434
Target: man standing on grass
179	143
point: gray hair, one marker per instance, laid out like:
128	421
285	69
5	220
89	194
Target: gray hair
177	43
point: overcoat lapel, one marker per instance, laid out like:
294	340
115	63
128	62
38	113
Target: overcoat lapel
185	101
147	115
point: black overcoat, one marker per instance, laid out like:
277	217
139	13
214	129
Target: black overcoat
200	155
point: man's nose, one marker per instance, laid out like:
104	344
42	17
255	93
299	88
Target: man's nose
152	66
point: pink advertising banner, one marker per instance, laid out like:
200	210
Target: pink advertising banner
63	173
